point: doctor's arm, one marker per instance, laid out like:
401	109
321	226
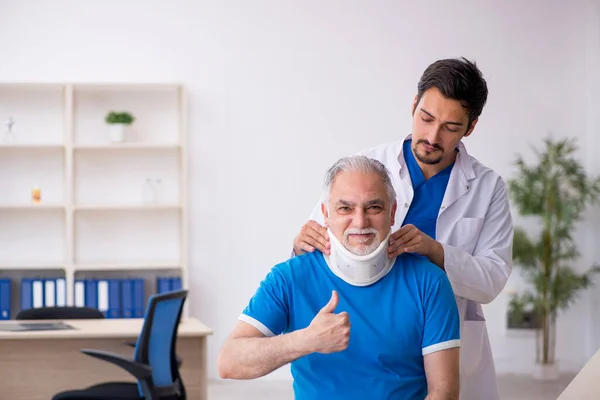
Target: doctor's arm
481	276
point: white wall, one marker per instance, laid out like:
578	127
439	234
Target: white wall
280	89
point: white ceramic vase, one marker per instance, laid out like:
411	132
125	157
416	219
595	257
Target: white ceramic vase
116	132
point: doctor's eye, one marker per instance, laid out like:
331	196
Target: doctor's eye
426	118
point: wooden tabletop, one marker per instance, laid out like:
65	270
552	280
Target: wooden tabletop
101	328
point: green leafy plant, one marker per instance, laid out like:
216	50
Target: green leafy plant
556	190
114	117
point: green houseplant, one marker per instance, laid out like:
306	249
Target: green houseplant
117	122
556	190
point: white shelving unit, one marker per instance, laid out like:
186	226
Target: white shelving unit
93	219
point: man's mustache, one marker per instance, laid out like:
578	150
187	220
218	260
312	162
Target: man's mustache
437	146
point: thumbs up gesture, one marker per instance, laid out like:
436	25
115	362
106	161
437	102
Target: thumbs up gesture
329	332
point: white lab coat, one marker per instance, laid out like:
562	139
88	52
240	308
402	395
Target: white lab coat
475	228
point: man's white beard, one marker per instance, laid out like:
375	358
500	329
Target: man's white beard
358	249
359	270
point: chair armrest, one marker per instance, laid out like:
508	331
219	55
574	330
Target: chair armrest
177	358
140	371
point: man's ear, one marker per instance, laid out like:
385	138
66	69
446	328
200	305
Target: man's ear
470	130
414	105
393	214
325	213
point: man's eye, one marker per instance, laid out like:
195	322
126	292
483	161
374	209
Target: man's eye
375	208
451	129
426	119
345	209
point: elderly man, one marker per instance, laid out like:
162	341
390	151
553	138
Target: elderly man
355	323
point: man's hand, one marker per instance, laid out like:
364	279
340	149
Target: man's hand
312	236
409	239
328	332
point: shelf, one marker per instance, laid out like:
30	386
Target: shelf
22	265
32	146
32	206
127	146
115	266
126	207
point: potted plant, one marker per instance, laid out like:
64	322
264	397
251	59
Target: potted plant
556	190
117	121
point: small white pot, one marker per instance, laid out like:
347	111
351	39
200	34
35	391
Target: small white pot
546	372
116	132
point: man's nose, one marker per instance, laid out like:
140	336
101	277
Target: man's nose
433	135
361	220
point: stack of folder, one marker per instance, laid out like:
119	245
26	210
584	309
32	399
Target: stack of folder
4	298
116	298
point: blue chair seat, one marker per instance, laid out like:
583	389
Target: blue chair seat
154	365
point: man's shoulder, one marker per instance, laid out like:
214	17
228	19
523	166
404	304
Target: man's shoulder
484	172
300	264
421	267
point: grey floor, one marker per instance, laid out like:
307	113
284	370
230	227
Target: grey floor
511	388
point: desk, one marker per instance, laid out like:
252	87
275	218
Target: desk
585	384
34	365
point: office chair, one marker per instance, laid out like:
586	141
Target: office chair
154	363
59	313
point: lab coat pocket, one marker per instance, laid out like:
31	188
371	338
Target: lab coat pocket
471	346
467	232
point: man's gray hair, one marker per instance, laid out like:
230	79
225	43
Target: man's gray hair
361	164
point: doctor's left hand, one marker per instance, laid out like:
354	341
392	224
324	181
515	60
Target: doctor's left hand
409	239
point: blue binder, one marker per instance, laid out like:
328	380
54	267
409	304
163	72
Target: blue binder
138	298
163	285
91	293
26	293
175	283
127	298
5	299
114	298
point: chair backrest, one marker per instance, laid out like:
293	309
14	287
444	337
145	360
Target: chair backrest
59	313
156	343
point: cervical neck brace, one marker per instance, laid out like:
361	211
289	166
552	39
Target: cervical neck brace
359	270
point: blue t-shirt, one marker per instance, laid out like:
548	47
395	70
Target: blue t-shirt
394	322
428	194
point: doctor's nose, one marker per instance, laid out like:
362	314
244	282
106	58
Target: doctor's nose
433	136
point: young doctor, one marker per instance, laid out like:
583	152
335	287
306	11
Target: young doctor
452	209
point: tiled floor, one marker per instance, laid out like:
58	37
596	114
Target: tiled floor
511	388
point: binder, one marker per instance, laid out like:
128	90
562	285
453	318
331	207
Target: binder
103	296
114	298
38	293
5	299
49	293
175	283
91	293
26	293
163	285
61	292
127	298
79	293
138	298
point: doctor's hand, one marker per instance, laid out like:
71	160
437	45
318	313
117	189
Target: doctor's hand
312	236
409	239
328	332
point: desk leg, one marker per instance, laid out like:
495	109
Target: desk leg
194	372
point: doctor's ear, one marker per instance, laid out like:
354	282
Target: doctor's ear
393	213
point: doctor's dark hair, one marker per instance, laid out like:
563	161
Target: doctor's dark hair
361	164
457	79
